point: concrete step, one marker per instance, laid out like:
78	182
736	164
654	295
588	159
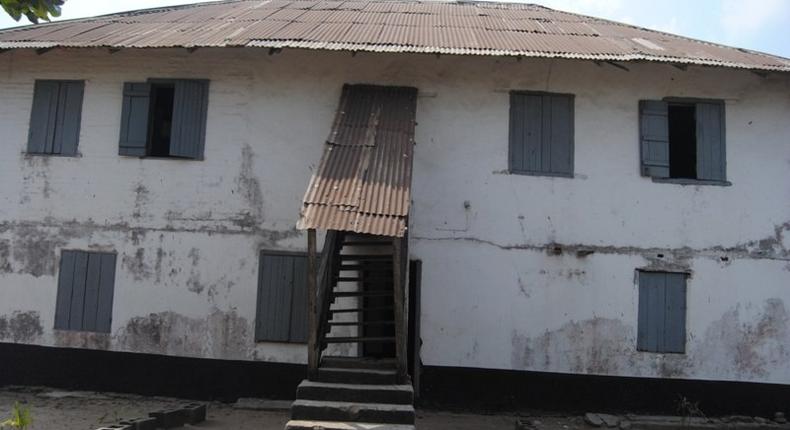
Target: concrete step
387	394
335	425
358	362
357	376
351	411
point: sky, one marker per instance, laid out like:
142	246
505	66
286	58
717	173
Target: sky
762	25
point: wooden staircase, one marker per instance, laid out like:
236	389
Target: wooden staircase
359	315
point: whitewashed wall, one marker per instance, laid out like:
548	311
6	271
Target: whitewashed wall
494	295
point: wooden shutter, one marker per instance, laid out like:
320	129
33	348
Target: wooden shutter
55	117
654	138
85	291
541	133
190	108
134	119
282	298
711	156
662	312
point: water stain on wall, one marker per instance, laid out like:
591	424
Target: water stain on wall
21	326
35	250
136	264
5	257
220	334
82	339
247	183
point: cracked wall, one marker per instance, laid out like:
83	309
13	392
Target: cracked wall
520	272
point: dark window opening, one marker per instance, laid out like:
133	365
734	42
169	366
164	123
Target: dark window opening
682	141
161	119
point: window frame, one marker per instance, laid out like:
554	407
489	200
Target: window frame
571	135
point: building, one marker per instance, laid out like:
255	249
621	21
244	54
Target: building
585	202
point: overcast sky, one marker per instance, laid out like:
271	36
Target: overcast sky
763	25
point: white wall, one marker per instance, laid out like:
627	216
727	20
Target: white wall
187	233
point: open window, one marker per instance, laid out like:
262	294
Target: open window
683	141
164	118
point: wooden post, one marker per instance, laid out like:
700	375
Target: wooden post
312	297
400	317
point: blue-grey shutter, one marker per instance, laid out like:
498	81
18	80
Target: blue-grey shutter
78	291
654	138
69	117
541	133
43	116
675	313
275	279
299	301
65	283
560	134
91	302
106	292
190	108
134	119
711	156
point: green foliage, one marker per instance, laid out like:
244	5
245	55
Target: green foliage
32	9
20	418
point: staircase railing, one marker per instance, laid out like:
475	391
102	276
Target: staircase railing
320	281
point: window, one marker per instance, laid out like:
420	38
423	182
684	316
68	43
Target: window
683	141
541	134
282	298
662	312
164	118
55	118
85	291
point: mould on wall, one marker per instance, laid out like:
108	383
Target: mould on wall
24	327
141	199
35	251
82	339
5	257
247	183
220	334
136	265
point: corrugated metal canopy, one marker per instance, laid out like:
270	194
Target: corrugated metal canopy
466	28
362	183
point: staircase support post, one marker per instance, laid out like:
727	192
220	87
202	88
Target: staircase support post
400	308
312	309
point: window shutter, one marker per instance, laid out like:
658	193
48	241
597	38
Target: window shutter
541	133
190	107
76	307
275	278
675	313
69	116
43	116
650	332
654	138
134	119
65	283
711	157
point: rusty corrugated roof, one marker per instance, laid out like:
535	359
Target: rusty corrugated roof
465	28
362	183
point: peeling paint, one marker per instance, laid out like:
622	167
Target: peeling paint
23	327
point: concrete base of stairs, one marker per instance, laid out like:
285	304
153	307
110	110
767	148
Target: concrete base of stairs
333	425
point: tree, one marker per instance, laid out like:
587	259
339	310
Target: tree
32	9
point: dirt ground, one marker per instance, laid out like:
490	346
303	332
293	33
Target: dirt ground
68	410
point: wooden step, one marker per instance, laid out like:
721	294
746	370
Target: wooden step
363	393
366	243
365	279
358	362
353	310
383	266
373	339
337	425
366	257
353	323
357	376
384	293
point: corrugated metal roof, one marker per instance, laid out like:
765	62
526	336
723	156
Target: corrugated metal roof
363	181
441	27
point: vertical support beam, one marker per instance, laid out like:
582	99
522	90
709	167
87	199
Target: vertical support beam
312	297
400	308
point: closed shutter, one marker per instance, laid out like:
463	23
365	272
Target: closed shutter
85	291
654	138
541	133
282	298
55	117
662	312
711	157
134	119
190	107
